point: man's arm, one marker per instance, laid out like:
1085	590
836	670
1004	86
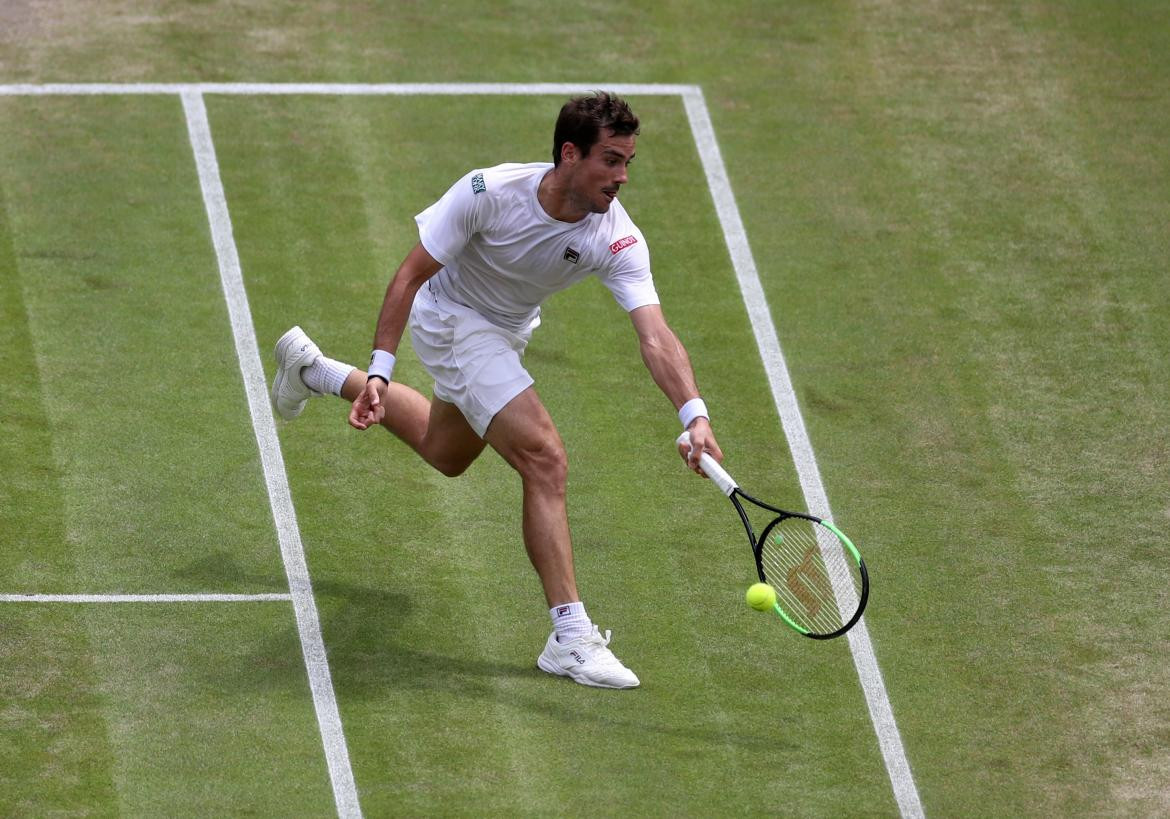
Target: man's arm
416	268
670	367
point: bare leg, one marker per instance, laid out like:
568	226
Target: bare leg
434	429
525	436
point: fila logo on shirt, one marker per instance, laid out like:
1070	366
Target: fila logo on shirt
572	255
622	244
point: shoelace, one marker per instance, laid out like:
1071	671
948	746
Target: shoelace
600	652
595	637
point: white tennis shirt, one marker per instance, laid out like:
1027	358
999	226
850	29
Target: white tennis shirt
503	255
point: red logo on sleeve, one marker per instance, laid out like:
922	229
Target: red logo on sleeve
622	244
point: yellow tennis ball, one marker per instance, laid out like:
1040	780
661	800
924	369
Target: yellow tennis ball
761	596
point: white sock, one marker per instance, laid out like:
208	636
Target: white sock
326	375
570	621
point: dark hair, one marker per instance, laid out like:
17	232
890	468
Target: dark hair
582	118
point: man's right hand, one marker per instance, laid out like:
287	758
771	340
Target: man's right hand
368	409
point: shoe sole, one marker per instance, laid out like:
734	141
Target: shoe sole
277	383
285	342
283	346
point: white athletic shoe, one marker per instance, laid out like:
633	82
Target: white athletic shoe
294	352
587	660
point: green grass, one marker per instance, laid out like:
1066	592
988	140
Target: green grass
158	710
128	344
959	217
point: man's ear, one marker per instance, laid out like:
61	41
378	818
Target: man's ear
570	153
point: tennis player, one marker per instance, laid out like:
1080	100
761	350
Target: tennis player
490	251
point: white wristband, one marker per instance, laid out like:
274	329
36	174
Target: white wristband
688	412
381	365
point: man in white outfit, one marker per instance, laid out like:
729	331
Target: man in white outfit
490	251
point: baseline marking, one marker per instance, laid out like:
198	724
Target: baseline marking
337	89
288	532
784	397
143	598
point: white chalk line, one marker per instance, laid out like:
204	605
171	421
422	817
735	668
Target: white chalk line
280	498
759	314
144	598
784	396
338	89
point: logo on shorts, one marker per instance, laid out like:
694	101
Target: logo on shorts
477	184
622	244
572	256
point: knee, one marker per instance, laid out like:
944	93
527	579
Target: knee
452	467
544	465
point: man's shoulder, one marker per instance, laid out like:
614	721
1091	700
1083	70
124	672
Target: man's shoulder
507	176
617	244
618	219
618	231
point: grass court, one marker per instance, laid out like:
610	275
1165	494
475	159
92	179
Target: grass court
957	217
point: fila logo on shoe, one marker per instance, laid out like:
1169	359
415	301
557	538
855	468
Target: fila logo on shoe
577	656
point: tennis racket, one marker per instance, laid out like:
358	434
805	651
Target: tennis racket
820	580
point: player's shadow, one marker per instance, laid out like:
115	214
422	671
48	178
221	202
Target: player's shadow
371	657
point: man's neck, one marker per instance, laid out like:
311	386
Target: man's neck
554	196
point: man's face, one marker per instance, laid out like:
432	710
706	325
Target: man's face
598	176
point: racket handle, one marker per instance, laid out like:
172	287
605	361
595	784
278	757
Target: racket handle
711	467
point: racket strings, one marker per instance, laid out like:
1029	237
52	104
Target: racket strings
801	584
814	580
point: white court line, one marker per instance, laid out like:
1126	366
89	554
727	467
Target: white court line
339	89
784	396
142	598
280	498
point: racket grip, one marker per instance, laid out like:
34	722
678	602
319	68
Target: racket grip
711	467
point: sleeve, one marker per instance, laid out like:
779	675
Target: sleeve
446	226
628	273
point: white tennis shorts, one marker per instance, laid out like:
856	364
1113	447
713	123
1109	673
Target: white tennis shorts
475	364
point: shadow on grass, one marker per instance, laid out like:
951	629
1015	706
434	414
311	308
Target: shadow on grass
371	658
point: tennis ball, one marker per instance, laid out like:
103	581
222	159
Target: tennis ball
761	596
